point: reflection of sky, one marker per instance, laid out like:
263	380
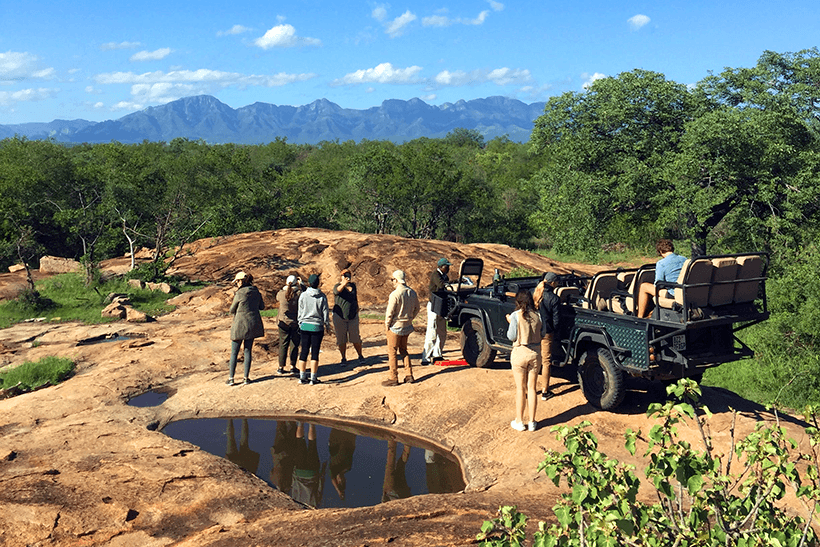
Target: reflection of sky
365	480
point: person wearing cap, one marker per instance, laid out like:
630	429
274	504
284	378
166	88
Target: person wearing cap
402	308
247	322
549	309
313	316
436	333
346	315
288	299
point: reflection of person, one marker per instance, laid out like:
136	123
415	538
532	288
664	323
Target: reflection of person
346	315
525	334
242	456
436	334
341	445
283	455
314	320
288	299
667	269
395	481
402	308
247	322
549	309
308	473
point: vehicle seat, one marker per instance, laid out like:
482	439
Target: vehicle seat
724	272
626	301
599	290
749	267
567	295
694	278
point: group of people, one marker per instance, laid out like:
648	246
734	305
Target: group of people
305	317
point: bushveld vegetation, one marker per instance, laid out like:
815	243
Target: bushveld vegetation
731	164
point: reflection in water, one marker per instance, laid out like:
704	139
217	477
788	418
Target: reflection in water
362	470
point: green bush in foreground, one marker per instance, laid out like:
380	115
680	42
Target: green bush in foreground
705	498
33	374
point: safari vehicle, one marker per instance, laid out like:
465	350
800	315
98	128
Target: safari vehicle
600	333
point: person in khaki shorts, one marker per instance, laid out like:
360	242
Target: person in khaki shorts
402	308
525	334
346	315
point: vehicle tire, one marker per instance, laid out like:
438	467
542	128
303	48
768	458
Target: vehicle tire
474	346
601	381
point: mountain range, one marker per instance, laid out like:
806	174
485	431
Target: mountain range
205	117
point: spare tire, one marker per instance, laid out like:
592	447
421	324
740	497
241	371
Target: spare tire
601	381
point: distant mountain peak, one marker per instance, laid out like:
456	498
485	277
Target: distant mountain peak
206	117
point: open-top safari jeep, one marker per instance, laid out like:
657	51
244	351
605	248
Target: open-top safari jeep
714	298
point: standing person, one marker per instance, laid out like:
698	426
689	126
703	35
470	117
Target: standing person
314	319
247	322
288	299
667	269
549	309
525	334
346	315
436	334
402	308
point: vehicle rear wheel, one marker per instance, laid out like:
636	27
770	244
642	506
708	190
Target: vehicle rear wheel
601	381
474	346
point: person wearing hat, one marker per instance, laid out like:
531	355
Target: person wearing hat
247	322
313	316
346	315
436	333
402	308
288	299
549	309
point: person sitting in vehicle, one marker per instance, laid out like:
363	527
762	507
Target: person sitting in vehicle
667	269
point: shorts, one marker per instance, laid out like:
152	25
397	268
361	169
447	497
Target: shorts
347	330
526	358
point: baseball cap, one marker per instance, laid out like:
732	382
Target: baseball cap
444	262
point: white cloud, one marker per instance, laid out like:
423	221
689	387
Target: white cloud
284	36
155	55
236	29
498	76
110	46
98	105
428	98
589	80
397	27
379	13
637	21
27	95
18	65
444	21
496	6
382	74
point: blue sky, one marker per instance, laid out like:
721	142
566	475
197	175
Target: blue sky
102	60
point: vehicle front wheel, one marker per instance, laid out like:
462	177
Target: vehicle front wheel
601	381
474	346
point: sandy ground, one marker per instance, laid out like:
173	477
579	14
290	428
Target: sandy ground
78	466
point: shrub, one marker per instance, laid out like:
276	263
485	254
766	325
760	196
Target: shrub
31	375
704	498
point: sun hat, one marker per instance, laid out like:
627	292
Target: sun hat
291	280
444	262
241	276
398	275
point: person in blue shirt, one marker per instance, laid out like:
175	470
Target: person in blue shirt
667	269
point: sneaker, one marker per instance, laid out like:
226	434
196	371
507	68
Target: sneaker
314	381
518	426
295	372
280	372
531	426
390	383
230	382
246	381
303	381
425	363
546	395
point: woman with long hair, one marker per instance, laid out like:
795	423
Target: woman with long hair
525	334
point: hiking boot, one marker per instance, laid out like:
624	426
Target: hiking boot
408	380
391	382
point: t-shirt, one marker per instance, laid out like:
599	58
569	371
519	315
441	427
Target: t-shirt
346	302
668	268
